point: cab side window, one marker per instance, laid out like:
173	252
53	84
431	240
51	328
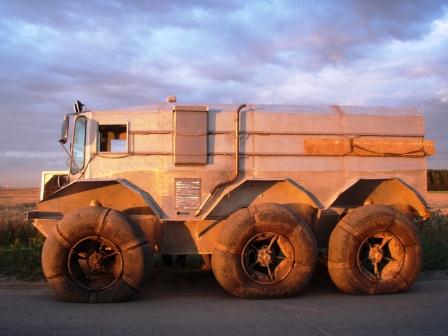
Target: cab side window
112	138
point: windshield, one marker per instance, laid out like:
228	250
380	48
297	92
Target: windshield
79	141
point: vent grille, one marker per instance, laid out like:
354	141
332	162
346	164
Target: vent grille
188	194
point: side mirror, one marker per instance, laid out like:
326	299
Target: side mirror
64	130
78	107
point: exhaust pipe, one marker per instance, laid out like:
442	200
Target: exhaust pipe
236	171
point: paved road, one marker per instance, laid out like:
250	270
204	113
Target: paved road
198	306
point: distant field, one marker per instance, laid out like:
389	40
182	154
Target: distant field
15	196
438	200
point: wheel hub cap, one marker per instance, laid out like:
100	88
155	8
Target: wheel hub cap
381	256
95	261
376	254
264	256
267	258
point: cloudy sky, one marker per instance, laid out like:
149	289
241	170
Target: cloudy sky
122	53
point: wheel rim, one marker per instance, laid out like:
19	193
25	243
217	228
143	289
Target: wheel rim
95	263
267	258
381	256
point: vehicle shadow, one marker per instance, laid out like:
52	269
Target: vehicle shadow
186	283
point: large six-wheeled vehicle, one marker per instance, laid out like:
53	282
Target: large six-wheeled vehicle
260	191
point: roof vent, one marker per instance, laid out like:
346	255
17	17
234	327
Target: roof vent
171	99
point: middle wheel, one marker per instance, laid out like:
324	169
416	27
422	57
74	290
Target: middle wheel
264	252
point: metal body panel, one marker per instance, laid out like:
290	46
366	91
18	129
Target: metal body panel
272	145
113	193
190	135
51	181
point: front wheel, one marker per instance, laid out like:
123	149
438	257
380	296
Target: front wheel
374	250
96	255
264	252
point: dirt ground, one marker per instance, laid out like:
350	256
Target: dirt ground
14	196
438	200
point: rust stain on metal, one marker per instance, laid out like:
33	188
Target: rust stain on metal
328	146
369	146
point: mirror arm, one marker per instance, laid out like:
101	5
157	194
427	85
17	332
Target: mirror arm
68	154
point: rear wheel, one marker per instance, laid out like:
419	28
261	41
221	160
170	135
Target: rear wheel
264	252
97	255
374	250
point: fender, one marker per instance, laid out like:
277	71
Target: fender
118	194
256	191
389	191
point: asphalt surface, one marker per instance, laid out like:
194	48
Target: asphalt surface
196	305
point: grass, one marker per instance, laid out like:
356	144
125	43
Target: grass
435	243
21	261
13	228
21	245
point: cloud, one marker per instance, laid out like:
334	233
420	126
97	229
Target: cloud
30	155
119	53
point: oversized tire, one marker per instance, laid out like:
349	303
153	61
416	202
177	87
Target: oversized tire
374	250
97	254
264	252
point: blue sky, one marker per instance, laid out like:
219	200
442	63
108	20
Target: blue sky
122	53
